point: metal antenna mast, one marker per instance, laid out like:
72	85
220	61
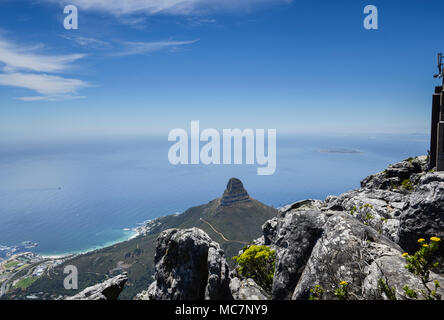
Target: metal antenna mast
440	68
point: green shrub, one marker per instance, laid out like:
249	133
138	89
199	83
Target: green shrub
410	292
385	288
257	263
316	293
421	263
353	210
367	218
407	184
393	185
342	291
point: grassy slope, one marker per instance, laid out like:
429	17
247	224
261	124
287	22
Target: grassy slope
241	222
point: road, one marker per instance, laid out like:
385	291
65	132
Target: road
3	287
221	234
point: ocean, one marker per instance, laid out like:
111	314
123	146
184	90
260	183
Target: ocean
77	195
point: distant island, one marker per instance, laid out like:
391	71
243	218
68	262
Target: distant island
350	151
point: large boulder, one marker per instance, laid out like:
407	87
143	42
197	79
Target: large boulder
385	203
346	247
189	266
377	208
293	236
107	290
391	269
423	213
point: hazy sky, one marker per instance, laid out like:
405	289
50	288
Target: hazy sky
141	66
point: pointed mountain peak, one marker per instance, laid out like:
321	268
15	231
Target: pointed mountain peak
234	193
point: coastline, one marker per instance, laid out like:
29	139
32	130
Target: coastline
133	233
130	233
141	230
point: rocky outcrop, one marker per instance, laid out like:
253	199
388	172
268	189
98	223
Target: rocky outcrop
293	235
357	236
189	266
391	269
234	193
403	202
423	213
346	247
107	290
394	175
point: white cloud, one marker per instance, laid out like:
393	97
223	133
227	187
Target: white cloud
15	57
176	7
133	48
88	42
50	87
49	98
23	67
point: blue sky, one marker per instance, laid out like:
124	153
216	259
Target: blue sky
148	66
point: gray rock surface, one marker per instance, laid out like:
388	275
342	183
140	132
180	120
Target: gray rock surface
107	290
390	229
218	275
293	236
308	204
395	174
391	269
423	213
346	247
189	266
247	289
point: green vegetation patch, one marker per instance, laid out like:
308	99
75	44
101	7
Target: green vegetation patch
407	184
257	263
25	283
421	263
11	264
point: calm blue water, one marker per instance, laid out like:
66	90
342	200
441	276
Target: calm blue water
78	195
